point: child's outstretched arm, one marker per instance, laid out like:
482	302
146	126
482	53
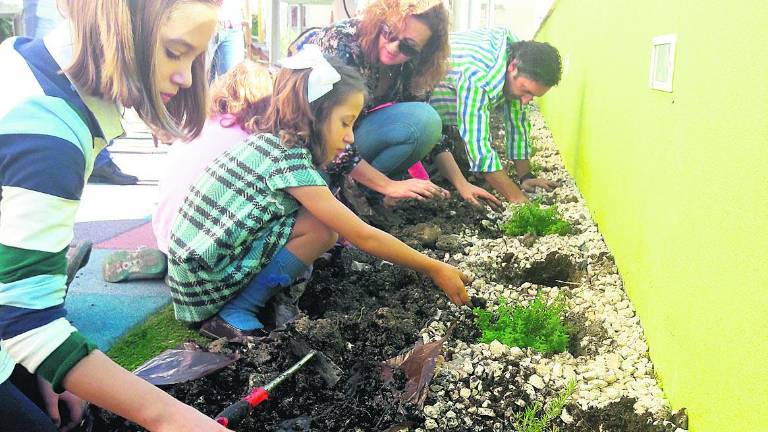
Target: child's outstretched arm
99	380
319	201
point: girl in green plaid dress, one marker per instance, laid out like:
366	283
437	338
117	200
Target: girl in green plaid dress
262	213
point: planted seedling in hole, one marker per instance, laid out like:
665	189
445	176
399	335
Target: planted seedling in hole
528	420
538	325
531	218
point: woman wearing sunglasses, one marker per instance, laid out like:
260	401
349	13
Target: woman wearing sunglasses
400	47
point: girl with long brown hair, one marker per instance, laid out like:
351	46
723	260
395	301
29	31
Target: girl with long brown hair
61	104
262	213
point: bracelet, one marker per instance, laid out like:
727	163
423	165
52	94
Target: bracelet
527	176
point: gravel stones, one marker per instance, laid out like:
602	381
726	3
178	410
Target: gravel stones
488	383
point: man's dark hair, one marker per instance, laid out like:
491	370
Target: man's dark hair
538	61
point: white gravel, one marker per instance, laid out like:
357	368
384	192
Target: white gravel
616	363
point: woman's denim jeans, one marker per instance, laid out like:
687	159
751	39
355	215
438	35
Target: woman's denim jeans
395	137
227	49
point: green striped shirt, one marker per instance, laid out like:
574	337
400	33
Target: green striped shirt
473	89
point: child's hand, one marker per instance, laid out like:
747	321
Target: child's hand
530	185
51	400
478	196
451	280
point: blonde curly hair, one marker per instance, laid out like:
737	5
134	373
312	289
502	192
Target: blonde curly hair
431	66
244	93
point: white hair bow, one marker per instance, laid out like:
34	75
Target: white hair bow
323	75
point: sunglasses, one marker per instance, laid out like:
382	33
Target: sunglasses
406	47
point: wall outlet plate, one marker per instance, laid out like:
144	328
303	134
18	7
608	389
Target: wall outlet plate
662	62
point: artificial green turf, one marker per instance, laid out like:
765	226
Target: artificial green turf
158	333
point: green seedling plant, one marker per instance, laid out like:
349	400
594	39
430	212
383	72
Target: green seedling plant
529	420
535	168
531	218
538	325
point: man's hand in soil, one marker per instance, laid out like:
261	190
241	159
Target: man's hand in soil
451	280
74	404
448	167
530	185
478	197
415	188
504	185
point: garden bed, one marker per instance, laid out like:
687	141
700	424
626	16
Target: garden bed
360	312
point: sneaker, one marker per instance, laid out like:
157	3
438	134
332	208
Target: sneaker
110	173
77	258
120	266
217	328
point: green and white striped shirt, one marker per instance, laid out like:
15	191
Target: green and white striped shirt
473	89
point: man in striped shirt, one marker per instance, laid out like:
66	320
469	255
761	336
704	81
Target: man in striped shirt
491	71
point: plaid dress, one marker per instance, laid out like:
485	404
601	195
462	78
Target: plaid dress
233	221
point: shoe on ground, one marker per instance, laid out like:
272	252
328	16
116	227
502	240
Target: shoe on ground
217	328
110	173
77	258
121	266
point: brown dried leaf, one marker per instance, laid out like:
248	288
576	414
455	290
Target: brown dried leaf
419	366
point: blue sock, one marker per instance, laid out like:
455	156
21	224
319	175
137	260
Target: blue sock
279	273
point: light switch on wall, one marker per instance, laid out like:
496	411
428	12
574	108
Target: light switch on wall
662	62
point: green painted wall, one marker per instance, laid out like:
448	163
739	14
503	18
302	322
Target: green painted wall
678	183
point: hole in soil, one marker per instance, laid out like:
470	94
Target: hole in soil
616	417
555	269
584	338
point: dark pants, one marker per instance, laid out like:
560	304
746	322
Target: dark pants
18	412
104	158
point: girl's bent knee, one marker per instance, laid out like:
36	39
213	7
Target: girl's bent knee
318	233
327	238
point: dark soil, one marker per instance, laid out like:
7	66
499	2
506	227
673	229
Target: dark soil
616	417
358	312
578	329
452	216
554	270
